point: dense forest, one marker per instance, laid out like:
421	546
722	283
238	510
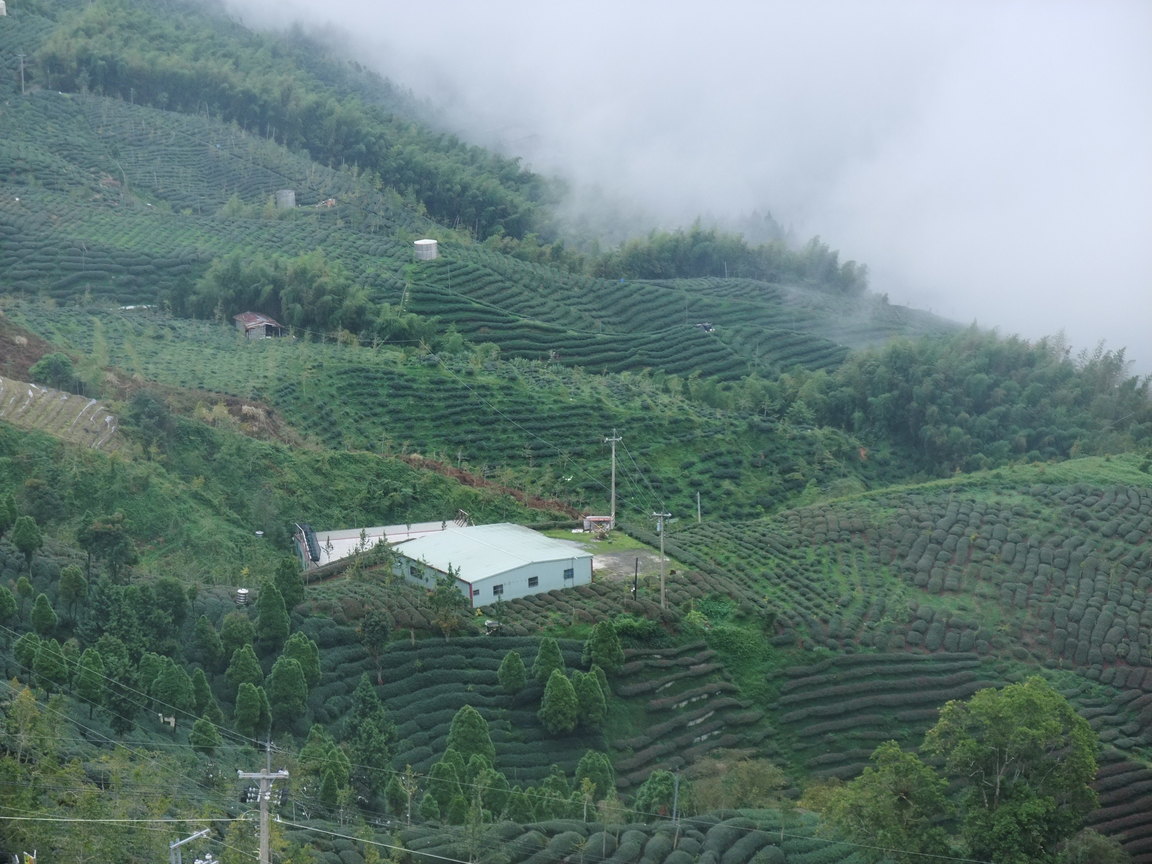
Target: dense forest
900	558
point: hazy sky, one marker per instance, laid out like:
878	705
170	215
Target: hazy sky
990	160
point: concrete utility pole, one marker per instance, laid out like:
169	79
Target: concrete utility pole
660	517
174	856
612	513
21	56
266	778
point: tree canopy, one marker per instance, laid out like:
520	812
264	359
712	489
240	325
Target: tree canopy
1016	768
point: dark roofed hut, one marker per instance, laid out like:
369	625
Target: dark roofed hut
256	325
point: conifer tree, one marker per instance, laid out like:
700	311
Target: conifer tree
26	538
657	796
305	652
172	690
8	513
24	650
429	810
244	668
50	666
207	646
24	591
548	660
287	691
597	767
512	675
520	807
272	621
236	630
289	582
205	737
250	707
375	631
559	709
44	618
120	696
7	604
469	735
73	586
590	699
603	648
201	691
89	679
369	737
445	778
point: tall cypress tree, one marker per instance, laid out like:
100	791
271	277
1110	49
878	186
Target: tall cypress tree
468	735
205	737
27	538
305	652
369	736
89	679
44	618
272	621
603	648
287	691
559	709
548	660
512	675
244	668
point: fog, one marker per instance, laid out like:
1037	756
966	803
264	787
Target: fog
989	160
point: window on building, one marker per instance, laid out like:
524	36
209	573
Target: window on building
414	570
497	589
569	573
533	581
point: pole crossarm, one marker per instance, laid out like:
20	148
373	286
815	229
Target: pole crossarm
266	778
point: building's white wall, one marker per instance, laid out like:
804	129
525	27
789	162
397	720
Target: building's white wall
422	574
515	582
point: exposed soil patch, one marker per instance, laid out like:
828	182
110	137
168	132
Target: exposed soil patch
467	478
618	566
19	350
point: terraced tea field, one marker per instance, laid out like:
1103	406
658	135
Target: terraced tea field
731	837
76	419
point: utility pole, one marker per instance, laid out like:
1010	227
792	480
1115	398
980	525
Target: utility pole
21	56
612	513
660	517
265	794
174	856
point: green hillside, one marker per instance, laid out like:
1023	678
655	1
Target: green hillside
874	512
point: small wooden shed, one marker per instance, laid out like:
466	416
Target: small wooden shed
256	325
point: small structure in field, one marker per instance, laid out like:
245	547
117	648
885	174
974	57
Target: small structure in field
256	325
598	524
426	250
285	199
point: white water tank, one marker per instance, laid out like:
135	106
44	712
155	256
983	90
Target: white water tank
285	199
426	250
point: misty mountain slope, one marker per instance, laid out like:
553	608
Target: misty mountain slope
187	56
140	201
826	600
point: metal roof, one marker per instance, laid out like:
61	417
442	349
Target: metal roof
480	551
249	320
343	542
